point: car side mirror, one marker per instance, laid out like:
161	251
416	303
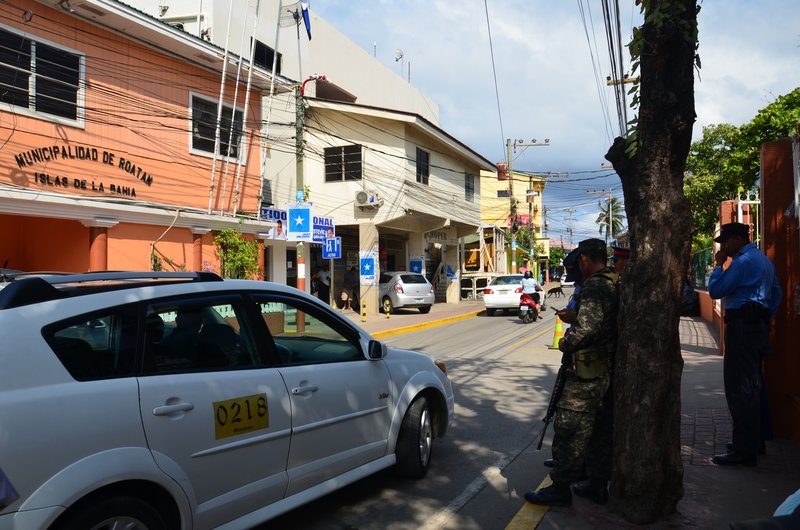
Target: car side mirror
376	350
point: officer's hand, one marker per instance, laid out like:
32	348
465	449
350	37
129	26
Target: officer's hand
567	315
720	257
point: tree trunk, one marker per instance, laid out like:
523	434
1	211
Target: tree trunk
647	480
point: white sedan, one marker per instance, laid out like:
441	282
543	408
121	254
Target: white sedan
503	292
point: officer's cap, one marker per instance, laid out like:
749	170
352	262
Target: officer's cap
592	245
733	229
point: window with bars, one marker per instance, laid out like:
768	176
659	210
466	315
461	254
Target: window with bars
204	120
469	187
39	77
423	166
343	163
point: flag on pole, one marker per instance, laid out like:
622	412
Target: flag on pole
306	19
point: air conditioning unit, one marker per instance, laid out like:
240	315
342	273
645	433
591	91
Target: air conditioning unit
368	199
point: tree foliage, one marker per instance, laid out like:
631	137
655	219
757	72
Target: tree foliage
727	158
238	258
557	254
610	220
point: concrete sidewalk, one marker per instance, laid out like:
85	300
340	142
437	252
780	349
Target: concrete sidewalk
714	496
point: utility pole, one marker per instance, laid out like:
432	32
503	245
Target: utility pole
569	226
299	193
511	145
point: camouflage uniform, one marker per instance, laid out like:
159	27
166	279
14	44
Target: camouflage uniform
583	419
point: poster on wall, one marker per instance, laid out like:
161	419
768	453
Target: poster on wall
368	265
416	264
323	228
279	218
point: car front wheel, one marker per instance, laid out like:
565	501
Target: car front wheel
490	312
111	513
425	309
415	441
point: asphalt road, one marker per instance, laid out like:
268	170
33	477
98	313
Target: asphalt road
502	372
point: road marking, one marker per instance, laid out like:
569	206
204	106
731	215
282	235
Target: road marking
530	515
445	515
415	327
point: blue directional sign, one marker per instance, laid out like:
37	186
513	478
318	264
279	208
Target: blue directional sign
367	270
299	221
416	265
332	249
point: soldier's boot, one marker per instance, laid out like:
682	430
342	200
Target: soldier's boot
552	495
594	489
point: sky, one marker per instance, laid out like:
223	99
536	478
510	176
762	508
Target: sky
551	69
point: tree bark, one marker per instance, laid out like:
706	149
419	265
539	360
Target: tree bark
647	480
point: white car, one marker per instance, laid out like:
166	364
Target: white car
503	292
162	401
564	282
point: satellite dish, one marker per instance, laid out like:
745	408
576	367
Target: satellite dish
290	15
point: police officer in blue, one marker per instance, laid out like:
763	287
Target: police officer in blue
750	296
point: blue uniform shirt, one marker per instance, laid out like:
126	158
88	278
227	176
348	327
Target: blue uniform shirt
749	278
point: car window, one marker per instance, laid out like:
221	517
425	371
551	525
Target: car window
507	280
413	278
305	333
385	278
198	334
95	346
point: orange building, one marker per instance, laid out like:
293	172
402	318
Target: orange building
108	144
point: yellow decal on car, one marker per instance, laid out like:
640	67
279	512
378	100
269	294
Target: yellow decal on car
240	415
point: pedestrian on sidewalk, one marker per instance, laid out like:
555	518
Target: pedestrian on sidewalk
582	425
750	295
350	288
324	284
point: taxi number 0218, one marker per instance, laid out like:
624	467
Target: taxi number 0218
240	415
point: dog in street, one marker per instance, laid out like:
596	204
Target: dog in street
555	291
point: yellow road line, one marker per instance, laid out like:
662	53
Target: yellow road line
530	515
423	325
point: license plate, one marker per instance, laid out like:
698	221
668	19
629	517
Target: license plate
419	300
523	308
240	415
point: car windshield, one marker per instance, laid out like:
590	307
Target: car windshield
508	280
413	278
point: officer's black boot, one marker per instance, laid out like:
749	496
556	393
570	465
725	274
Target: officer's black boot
552	495
594	489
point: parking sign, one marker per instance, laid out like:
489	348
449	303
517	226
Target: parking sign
332	249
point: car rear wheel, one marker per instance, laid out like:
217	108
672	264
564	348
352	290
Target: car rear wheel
387	305
111	513
415	441
490	312
425	309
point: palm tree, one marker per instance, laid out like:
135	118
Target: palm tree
612	215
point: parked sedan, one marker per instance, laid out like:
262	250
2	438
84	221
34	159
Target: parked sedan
503	292
405	289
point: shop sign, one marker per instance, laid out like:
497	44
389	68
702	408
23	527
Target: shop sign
445	236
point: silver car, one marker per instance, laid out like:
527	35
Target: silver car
405	289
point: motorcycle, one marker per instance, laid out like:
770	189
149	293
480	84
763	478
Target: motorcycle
529	307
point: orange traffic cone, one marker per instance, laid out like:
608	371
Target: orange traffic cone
558	332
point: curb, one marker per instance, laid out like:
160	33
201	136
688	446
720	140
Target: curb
414	327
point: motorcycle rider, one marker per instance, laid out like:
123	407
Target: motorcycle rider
531	287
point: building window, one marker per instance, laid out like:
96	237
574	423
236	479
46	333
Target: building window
204	120
423	166
39	77
503	194
265	55
469	187
343	163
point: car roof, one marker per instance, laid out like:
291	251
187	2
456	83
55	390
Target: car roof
35	287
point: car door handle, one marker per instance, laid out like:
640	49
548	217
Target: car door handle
166	410
304	389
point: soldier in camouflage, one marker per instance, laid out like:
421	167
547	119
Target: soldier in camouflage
583	420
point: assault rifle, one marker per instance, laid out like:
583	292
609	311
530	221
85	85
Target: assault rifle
558	389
